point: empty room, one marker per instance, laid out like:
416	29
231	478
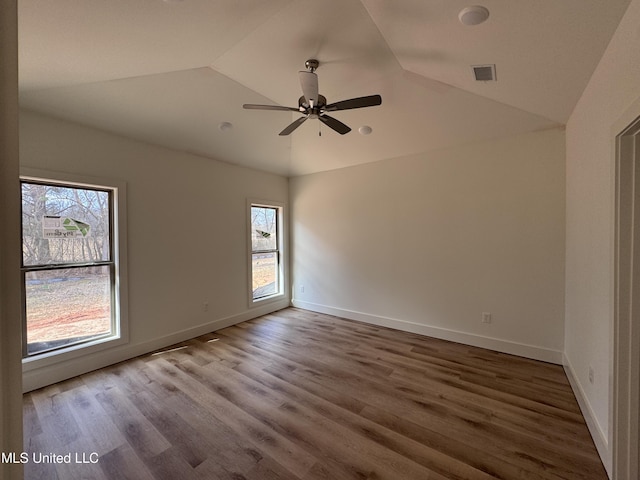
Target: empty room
305	239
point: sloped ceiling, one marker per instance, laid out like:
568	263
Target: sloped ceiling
169	72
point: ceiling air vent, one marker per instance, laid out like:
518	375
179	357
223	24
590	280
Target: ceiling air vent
484	73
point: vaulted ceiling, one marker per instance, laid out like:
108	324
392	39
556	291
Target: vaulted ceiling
169	72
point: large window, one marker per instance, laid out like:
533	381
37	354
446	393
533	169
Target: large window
266	251
69	267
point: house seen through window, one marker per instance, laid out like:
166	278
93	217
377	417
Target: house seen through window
68	265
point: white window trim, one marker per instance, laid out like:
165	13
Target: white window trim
282	245
121	333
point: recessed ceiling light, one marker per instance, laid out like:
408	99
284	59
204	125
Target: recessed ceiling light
225	126
473	15
365	130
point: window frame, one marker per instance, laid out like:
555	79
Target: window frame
279	250
117	266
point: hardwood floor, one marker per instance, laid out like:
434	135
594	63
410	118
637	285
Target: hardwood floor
299	395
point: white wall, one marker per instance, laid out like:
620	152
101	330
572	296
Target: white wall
428	242
10	330
613	88
187	231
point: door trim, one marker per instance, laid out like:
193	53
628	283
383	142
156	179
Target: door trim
626	327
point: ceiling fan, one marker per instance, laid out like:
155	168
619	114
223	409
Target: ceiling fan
313	105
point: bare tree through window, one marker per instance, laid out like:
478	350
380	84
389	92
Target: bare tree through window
68	268
265	255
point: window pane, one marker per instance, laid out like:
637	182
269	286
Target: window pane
265	274
64	225
264	228
66	306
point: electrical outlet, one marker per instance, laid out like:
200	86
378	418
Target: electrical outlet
205	307
591	374
301	288
486	317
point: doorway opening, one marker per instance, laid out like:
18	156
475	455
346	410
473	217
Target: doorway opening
626	335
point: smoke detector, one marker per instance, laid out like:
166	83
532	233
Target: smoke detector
473	15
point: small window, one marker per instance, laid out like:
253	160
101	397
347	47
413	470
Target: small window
266	251
69	268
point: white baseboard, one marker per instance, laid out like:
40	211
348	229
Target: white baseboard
504	346
57	371
599	438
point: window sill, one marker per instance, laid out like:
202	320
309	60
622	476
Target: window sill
72	352
266	300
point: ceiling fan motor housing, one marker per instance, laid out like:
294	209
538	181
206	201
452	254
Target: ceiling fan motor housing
312	64
303	106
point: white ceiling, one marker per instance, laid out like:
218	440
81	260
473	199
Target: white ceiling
169	73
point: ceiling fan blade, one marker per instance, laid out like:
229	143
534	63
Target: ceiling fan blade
292	126
360	102
309	84
337	125
251	106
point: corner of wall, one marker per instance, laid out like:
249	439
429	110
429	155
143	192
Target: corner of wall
599	437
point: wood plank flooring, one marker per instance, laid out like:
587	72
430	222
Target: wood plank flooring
299	395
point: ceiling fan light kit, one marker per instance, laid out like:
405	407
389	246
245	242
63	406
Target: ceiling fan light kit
313	105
